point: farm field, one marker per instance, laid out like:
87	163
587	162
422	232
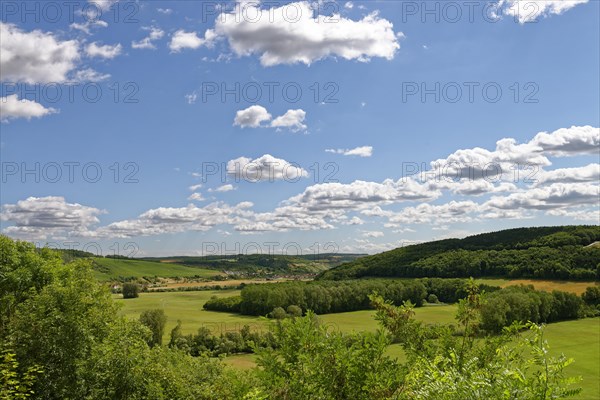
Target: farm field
546	285
107	269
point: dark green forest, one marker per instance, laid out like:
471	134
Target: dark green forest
562	252
324	297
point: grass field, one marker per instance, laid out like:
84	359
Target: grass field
112	268
241	361
187	307
360	321
564	286
579	340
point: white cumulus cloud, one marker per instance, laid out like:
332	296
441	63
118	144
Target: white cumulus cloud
531	10
264	168
36	56
12	108
49	217
90	75
588	173
292	119
362	151
171	220
104	5
148	42
190	40
373	234
251	117
223	188
103	51
255	117
292	34
196	197
575	140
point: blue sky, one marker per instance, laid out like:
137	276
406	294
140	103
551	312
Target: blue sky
335	160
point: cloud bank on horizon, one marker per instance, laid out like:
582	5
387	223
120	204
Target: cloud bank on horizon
466	173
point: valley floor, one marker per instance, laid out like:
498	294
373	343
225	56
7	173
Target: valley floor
577	339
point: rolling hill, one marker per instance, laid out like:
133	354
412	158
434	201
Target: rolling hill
108	269
253	265
559	252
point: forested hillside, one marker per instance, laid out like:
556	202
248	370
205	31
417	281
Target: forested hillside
560	252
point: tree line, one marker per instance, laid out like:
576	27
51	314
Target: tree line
324	297
523	303
503	306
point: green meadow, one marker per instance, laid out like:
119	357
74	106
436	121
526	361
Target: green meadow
579	340
360	321
187	307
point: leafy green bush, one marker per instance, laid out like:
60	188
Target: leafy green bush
226	304
278	313
592	295
294	311
432	298
130	290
